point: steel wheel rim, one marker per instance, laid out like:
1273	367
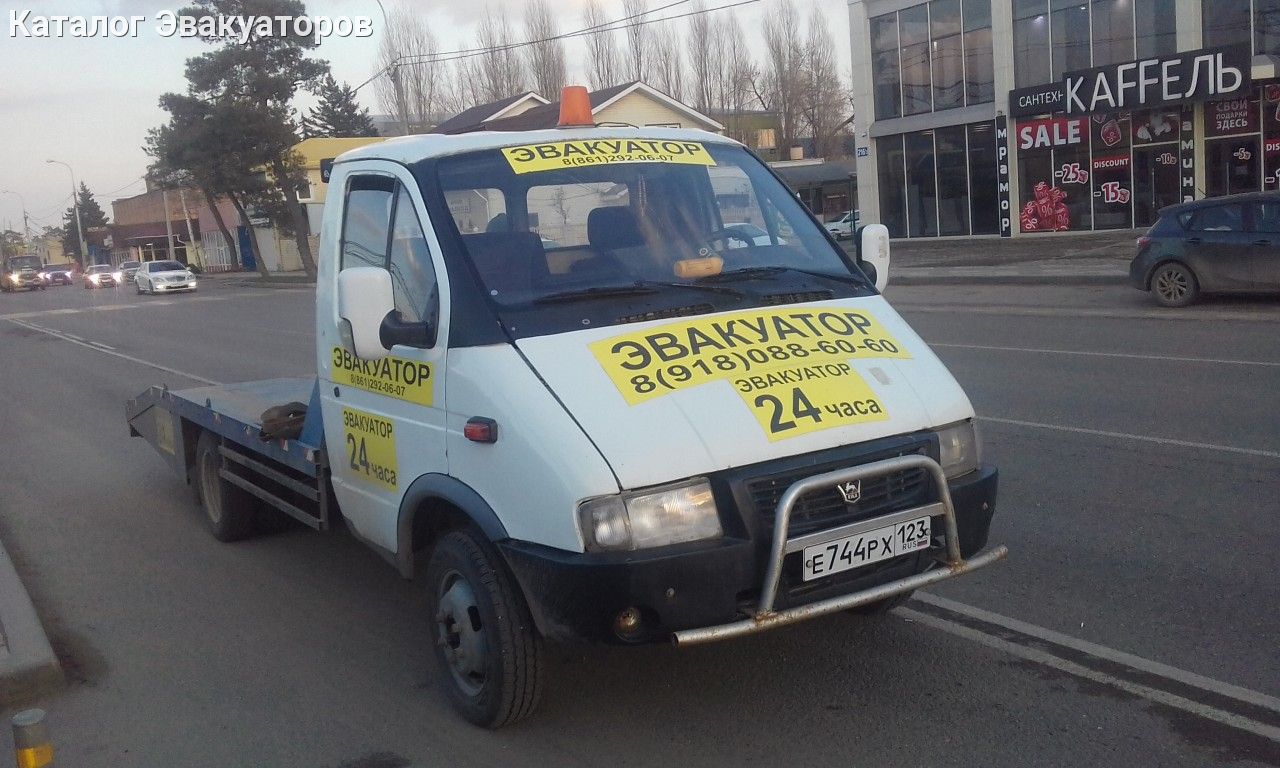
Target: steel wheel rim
1172	284
209	484
460	633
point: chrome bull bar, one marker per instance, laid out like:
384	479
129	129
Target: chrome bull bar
765	617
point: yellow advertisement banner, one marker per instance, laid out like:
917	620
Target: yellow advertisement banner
798	400
556	155
667	358
409	380
371	448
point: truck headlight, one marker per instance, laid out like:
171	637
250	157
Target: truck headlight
959	448
15	275
651	518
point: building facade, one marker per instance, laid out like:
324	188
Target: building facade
1021	117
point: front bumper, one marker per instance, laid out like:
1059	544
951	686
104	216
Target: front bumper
705	591
189	285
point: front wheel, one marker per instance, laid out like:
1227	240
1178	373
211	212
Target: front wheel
1174	285
487	648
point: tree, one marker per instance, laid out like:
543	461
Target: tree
262	73
411	49
500	72
602	54
822	102
91	216
639	39
12	243
544	56
337	115
777	86
668	63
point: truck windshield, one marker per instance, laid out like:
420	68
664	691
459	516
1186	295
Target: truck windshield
672	225
24	262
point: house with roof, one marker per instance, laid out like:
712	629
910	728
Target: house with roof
635	103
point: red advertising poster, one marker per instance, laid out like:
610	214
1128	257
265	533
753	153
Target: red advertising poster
1230	117
1110	162
1051	132
1047	212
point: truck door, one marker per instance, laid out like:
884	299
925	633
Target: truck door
384	419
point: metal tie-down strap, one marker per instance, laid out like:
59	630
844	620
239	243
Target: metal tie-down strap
766	618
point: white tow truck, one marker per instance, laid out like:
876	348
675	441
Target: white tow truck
555	385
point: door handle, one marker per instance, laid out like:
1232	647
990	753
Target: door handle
1262	242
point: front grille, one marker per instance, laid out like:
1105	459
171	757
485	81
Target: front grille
799	297
663	314
825	508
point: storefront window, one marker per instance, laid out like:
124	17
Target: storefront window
1053	174
984	192
947	54
1225	22
953	181
1112	31
1155	163
893	185
1233	164
1070	28
1266	26
913	27
884	66
1271	137
979	72
1156	24
922	188
1112	179
1030	41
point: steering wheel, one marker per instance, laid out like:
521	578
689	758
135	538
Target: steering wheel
733	232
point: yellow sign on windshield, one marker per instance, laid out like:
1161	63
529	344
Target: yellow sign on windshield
557	155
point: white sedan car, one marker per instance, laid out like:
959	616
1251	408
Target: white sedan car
163	276
845	226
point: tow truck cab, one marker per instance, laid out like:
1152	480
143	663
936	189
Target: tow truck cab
562	380
21	272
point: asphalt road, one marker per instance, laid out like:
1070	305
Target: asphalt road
1134	623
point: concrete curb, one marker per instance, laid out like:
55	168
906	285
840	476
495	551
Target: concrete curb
28	666
899	278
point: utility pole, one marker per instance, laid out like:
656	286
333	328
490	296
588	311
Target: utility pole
168	225
75	206
395	76
26	223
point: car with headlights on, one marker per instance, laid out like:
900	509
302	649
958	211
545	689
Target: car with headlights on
164	276
99	276
57	274
21	273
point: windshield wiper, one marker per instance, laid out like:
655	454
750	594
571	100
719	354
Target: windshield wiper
637	288
747	273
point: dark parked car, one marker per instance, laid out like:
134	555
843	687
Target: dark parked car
1219	245
57	274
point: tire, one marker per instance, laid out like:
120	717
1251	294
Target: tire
1174	285
492	661
229	510
881	607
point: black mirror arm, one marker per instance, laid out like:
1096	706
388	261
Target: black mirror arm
395	331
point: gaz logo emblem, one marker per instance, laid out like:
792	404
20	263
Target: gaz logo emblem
850	491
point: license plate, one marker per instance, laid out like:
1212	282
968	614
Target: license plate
865	548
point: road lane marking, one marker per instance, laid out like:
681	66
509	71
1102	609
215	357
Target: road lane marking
1140	438
1205	697
1261	316
1139	663
104	349
1087	353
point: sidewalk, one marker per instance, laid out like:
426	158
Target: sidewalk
1083	271
28	666
1064	259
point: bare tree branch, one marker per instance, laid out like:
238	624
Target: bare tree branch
602	53
544	57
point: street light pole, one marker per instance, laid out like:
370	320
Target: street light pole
75	206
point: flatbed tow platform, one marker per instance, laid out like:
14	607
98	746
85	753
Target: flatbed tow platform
291	475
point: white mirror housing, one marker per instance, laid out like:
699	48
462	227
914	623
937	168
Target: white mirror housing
874	250
364	301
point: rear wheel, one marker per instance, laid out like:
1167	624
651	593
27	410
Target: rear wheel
487	648
1174	285
228	509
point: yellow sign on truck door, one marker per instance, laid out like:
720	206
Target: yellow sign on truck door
555	155
370	444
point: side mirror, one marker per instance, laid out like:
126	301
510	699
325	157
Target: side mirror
364	301
873	250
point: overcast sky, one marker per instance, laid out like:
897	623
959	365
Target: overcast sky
90	102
